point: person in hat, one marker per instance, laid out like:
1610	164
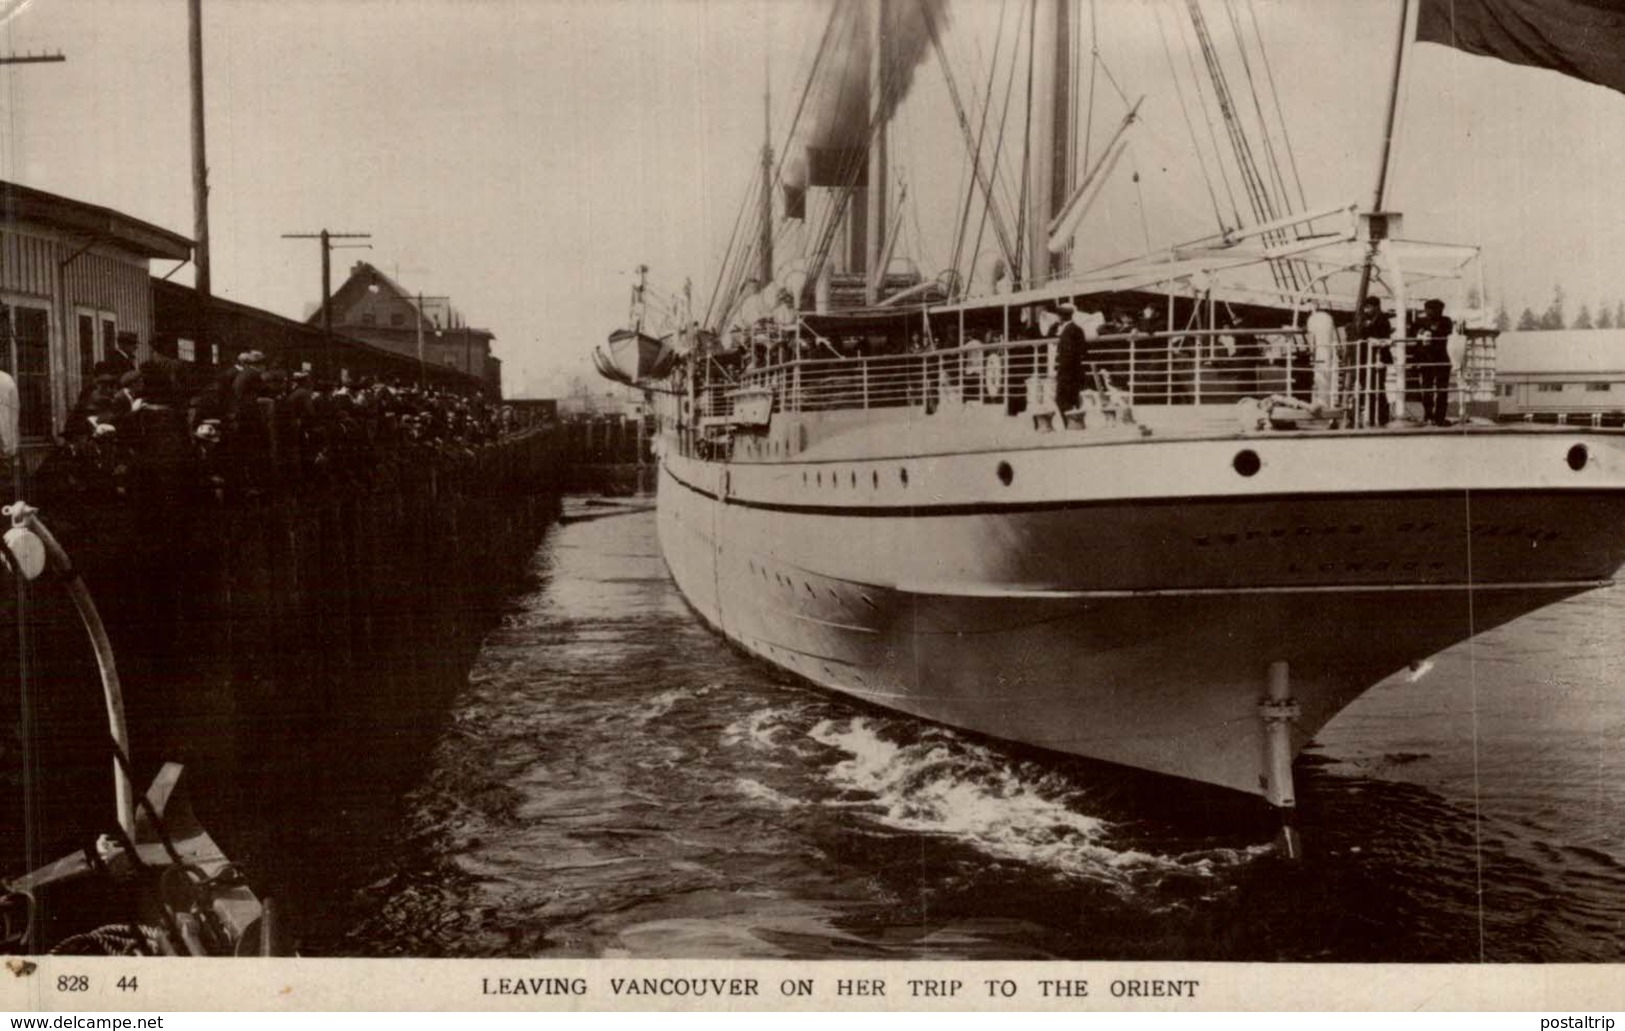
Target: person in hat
1071	351
1433	362
1378	332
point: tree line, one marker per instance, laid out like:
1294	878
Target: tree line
1555	316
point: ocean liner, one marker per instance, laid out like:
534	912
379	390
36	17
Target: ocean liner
1173	512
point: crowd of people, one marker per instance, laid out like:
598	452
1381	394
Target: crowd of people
253	429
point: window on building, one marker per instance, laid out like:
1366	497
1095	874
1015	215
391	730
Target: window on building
1599	387
110	340
1549	388
25	352
1506	390
369	319
87	347
185	350
397	319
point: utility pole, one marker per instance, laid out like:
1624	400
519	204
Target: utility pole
326	237
422	369
200	164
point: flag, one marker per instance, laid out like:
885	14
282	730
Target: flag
1580	38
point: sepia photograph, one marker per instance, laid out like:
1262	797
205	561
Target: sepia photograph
948	481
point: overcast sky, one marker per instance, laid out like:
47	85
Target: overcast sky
522	156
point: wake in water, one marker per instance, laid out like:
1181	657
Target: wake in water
942	784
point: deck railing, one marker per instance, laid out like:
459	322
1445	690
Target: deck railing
1357	382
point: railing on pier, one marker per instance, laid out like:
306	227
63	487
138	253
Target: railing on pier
1355	384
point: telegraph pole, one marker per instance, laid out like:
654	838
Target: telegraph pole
200	164
200	181
422	369
326	237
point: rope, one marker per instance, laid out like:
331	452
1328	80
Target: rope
1258	110
998	145
1207	117
1190	126
975	146
112	940
1275	97
1022	226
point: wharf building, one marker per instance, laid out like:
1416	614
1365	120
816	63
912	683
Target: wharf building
372	307
1574	376
75	289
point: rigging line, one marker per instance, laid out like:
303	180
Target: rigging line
999	164
1022	223
1280	115
1113	80
1094	73
1252	180
1073	93
1139	202
1201	162
1294	268
1207	117
877	122
1242	150
806	92
846	173
717	286
964	122
981	135
782	231
1258	109
998	143
733	256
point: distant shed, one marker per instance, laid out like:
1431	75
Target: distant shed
1561	372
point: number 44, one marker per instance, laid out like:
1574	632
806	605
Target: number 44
127	984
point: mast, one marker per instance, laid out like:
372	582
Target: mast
1382	169
1052	143
765	214
875	223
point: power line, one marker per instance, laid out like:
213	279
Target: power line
327	237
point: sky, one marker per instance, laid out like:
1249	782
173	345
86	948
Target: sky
524	156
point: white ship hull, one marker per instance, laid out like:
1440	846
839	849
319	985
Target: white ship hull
1125	603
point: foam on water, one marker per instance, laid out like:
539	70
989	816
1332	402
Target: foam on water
946	785
759	792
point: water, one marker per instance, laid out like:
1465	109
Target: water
617	781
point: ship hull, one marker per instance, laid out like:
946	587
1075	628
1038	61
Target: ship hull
1135	630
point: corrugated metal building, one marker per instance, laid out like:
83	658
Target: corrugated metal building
74	290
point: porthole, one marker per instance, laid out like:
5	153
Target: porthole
820	479
876	475
1006	474
1247	462
902	474
1578	457
854	477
